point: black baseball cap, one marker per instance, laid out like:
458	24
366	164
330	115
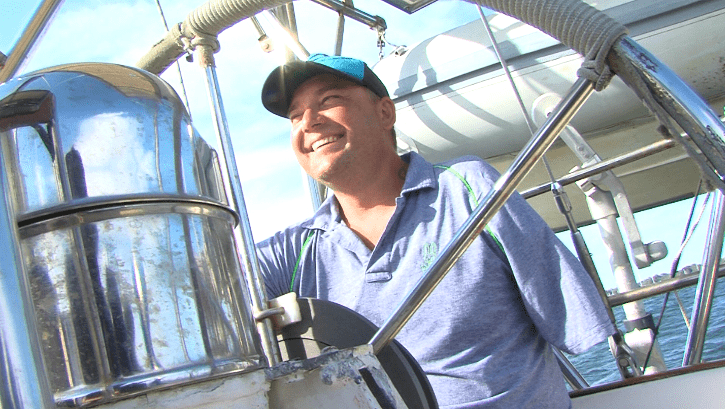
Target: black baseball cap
282	83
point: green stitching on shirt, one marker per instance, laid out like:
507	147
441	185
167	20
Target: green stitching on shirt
297	264
465	182
475	201
493	236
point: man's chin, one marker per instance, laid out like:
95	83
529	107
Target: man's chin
326	178
329	172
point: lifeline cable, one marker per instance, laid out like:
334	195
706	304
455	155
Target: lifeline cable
673	270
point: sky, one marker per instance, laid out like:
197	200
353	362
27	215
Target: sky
273	184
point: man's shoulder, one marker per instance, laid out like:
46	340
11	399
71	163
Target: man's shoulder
464	162
469	167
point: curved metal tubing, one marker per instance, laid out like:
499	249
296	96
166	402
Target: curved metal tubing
495	199
33	31
704	128
211	18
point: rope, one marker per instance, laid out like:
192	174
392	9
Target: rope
576	24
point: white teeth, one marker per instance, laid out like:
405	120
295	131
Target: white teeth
324	141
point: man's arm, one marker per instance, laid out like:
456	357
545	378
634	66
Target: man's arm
278	258
558	294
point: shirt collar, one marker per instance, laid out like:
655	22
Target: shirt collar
421	174
325	217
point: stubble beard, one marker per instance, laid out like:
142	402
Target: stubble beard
336	168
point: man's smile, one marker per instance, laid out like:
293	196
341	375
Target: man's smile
324	141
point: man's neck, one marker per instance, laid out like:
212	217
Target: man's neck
367	206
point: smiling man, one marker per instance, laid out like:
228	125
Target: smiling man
483	337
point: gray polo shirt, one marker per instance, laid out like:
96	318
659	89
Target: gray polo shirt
483	335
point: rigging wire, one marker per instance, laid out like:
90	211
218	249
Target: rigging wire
682	309
673	270
520	101
178	66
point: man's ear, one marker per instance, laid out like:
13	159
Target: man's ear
387	112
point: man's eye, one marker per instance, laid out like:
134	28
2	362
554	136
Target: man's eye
330	99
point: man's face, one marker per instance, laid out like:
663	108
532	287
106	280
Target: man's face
338	128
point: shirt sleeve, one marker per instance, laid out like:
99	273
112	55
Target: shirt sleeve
277	259
558	294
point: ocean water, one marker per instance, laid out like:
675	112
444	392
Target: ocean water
597	365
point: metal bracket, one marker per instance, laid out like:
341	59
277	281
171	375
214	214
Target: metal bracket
624	357
284	310
644	254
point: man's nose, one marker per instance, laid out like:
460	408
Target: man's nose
311	118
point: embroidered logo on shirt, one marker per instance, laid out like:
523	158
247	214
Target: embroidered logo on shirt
430	251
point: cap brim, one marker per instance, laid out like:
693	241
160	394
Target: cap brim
284	80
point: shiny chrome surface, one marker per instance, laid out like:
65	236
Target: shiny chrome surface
22	379
134	138
139	294
572	376
126	237
706	142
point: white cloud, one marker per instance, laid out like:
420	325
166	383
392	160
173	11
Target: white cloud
275	214
267	161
